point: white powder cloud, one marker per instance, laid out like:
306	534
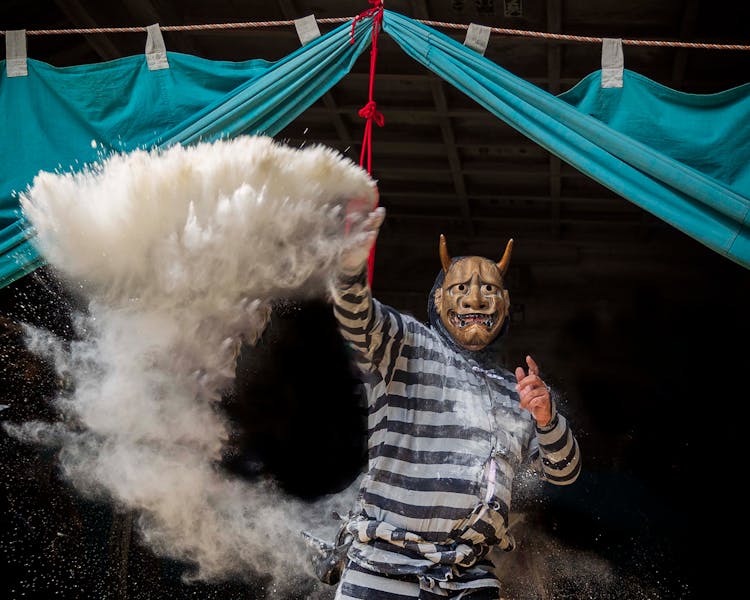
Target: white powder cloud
180	254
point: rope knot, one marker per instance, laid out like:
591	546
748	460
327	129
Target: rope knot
370	111
375	10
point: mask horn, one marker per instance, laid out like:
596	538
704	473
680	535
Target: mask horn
505	260
445	258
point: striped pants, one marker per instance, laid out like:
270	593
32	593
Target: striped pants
360	584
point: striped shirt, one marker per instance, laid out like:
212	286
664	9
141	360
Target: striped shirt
445	440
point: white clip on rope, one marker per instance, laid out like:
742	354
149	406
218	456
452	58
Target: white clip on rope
156	51
612	63
307	29
477	37
15	53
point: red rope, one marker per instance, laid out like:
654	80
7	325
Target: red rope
370	110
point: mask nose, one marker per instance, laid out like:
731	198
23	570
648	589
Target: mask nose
474	300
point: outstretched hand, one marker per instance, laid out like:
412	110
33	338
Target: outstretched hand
360	236
534	393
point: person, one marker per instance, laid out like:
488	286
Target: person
448	429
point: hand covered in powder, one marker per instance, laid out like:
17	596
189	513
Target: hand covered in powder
360	235
534	393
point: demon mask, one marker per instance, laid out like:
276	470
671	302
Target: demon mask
473	302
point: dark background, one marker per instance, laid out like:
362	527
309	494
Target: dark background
655	393
641	329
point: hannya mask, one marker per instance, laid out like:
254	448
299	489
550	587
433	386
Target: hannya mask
472	302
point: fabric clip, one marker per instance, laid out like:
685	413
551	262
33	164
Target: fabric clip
477	37
15	53
612	63
156	51
307	29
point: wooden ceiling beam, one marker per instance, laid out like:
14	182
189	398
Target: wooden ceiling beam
554	61
411	147
80	17
419	76
332	110
454	160
513	198
449	135
504	217
687	26
163	13
491	169
422	111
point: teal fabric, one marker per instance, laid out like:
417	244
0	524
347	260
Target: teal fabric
64	118
683	157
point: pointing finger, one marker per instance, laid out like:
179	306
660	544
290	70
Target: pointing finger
533	367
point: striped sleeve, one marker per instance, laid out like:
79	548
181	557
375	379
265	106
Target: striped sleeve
375	331
556	451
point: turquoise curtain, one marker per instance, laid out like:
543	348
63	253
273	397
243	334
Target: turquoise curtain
683	157
65	118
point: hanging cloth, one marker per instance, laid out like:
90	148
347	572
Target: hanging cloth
65	118
683	157
712	205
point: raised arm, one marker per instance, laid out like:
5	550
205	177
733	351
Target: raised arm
364	323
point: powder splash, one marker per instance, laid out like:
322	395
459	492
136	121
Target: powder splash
180	254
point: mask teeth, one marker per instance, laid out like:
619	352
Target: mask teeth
488	322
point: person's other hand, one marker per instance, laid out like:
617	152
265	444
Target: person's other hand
534	393
360	237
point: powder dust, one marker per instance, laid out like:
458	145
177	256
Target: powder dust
180	254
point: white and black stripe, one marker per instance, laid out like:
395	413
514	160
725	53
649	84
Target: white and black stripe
358	583
445	440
